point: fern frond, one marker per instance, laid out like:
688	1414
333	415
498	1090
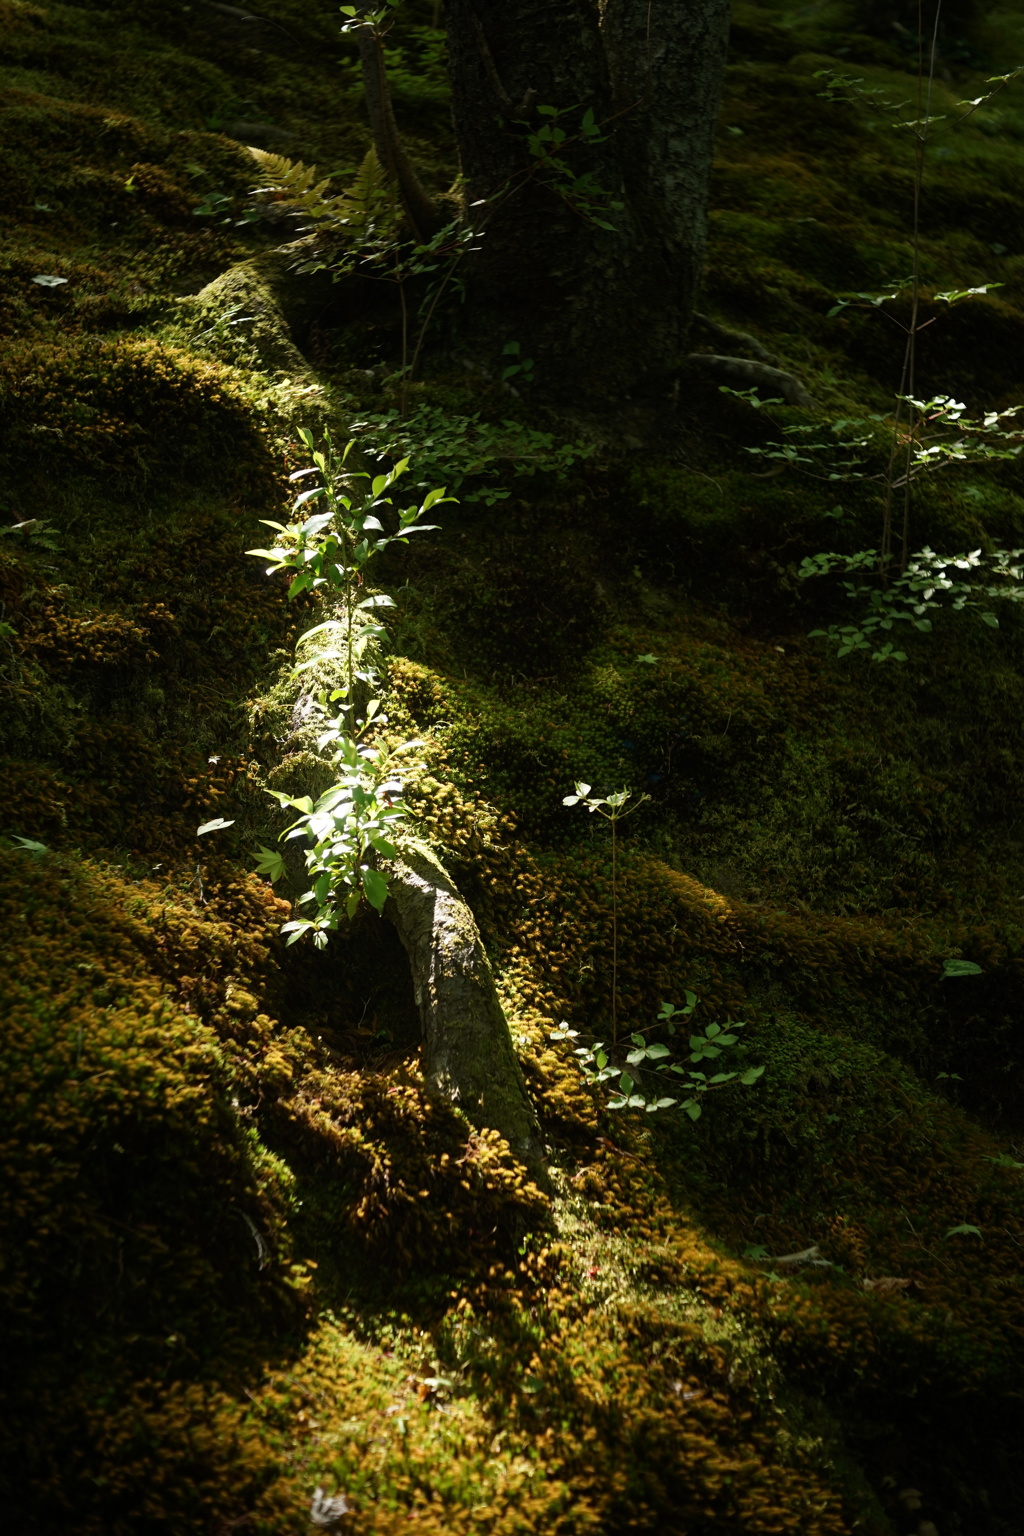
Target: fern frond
351	212
369	189
290	180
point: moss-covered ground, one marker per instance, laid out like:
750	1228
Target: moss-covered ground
243	1253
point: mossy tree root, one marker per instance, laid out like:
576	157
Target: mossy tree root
468	1054
703	324
741	373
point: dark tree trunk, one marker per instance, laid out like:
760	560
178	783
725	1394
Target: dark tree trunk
599	310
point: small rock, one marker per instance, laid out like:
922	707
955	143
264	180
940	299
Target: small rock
326	1512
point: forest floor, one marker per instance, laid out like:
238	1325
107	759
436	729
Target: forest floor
246	1254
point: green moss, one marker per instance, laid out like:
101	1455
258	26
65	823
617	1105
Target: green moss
210	1136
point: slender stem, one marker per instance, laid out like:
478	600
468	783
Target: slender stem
430	314
615	935
404	396
920	145
349	666
910	358
345	532
908	379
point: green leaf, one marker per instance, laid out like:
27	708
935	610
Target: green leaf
952	968
382	846
964	1230
655	1052
626	1083
217	825
27	845
376	888
311	495
297	927
270	863
751	1075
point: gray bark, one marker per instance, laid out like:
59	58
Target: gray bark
741	373
599	309
468	1054
666	62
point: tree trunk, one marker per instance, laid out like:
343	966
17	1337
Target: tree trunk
468	1054
599	310
424	218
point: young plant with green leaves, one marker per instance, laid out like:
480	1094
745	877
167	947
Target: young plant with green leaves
347	829
636	1079
361	214
466	448
328	553
895	585
930	583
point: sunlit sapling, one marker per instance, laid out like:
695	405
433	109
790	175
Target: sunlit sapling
612	808
924	434
892	592
632	1089
353	822
942	435
920	125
